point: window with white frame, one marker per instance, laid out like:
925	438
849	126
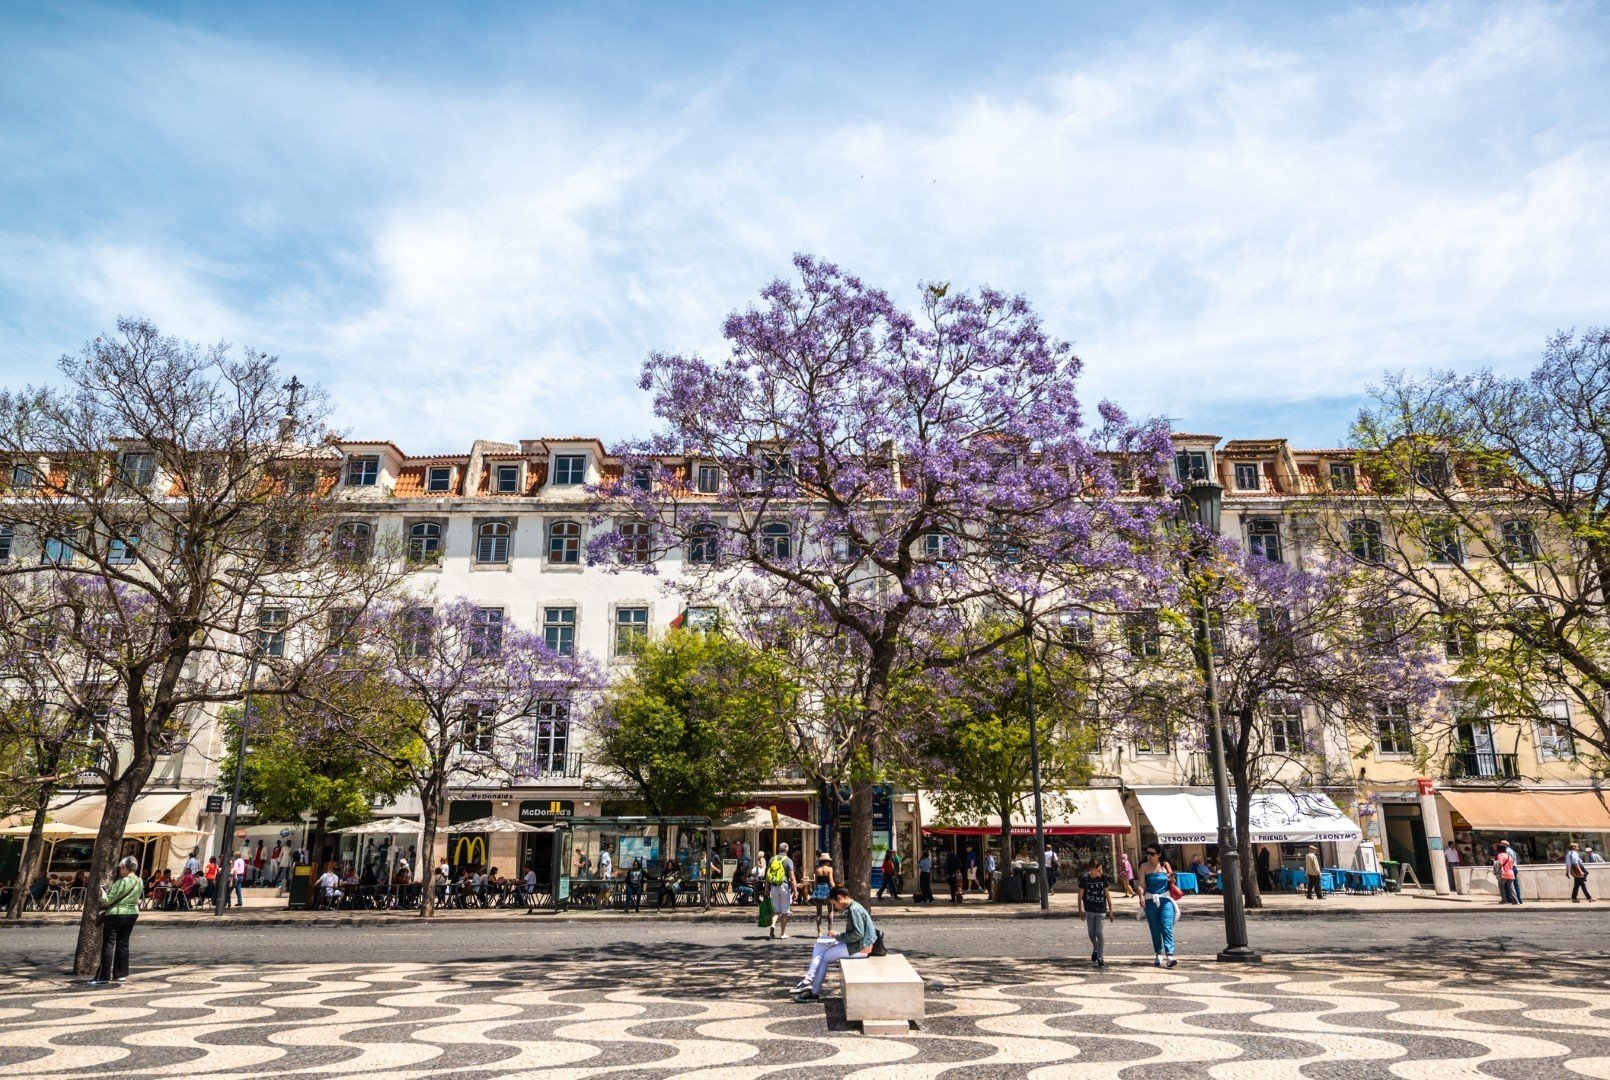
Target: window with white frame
702	618
551	736
1078	627
486	631
1430	470
776	541
1153	738
506	480
1191	465
1286	734
1123	476
340	639
559	629
1553	733
121	545
1459	640
271	624
707	479
1263	539
492	542
1392	736
354	541
282	542
940	547
1443	545
631	630
776	469
564	543
61	548
1342	476
363	470
1143	635
569	470
301	481
137	470
1378	627
636	543
477	726
24	476
1520	541
704	544
424	542
1364	540
1248	476
439	479
417	624
643	477
8	538
845	550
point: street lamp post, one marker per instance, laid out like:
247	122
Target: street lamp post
234	800
1034	762
1202	501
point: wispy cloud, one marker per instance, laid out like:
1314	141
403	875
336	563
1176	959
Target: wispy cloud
1229	219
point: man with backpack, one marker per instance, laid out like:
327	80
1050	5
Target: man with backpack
781	882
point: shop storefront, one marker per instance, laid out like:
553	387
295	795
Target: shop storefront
1539	826
1080	825
1185	823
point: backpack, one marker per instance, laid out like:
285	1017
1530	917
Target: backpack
776	872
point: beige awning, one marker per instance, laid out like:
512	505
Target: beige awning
1532	811
148	808
1067	813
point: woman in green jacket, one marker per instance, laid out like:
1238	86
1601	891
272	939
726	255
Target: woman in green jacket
120	904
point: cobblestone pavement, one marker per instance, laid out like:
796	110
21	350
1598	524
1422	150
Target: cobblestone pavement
699	1012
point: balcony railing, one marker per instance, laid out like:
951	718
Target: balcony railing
551	767
1477	765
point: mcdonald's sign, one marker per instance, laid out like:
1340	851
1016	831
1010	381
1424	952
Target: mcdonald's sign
546	811
470	850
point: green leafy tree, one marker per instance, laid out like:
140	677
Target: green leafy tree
966	733
293	768
696	724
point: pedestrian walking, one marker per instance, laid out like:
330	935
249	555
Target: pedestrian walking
971	866
120	907
782	882
606	864
1158	905
1095	904
822	891
237	878
1126	873
858	939
1504	870
989	874
899	873
1577	870
1053	869
886	878
1266	877
925	879
1312	871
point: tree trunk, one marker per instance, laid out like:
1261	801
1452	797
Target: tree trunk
120	796
427	854
33	852
858	860
316	850
1004	864
1251	895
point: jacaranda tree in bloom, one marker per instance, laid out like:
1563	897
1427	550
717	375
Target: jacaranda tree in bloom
449	695
1304	657
874	477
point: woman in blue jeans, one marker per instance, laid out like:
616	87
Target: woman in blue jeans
1159	907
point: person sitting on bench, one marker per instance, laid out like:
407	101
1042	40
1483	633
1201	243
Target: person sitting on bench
856	941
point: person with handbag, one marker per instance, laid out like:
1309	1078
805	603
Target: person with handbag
821	890
1577	870
120	907
860	938
1159	904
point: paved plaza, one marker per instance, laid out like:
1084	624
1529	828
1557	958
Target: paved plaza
702	1002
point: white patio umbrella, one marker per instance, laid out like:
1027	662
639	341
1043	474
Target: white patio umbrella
758	817
150	830
381	827
498	825
55	832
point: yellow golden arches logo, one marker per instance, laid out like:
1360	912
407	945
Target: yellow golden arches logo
472	846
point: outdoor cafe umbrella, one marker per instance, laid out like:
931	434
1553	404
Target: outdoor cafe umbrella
498	825
757	819
381	827
54	833
149	831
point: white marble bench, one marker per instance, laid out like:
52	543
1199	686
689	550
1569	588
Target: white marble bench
884	993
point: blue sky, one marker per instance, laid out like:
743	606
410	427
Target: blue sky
475	220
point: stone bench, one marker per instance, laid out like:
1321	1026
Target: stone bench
884	993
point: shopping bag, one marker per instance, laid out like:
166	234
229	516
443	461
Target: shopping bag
765	913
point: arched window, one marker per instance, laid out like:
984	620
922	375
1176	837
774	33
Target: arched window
703	544
776	542
492	542
424	542
564	543
354	541
1364	540
636	542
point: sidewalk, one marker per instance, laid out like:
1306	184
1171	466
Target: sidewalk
264	909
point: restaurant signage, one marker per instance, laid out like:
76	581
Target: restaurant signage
546	811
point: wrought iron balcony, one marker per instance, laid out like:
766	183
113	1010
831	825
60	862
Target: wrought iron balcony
541	766
1479	765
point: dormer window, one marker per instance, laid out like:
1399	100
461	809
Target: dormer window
1342	477
707	479
439	478
1431	470
643	477
1248	476
24	476
776	469
137	470
363	471
506	480
569	470
1191	465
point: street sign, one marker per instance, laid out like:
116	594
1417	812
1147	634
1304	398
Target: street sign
215	804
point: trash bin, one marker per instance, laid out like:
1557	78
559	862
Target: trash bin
1011	886
997	891
1031	885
